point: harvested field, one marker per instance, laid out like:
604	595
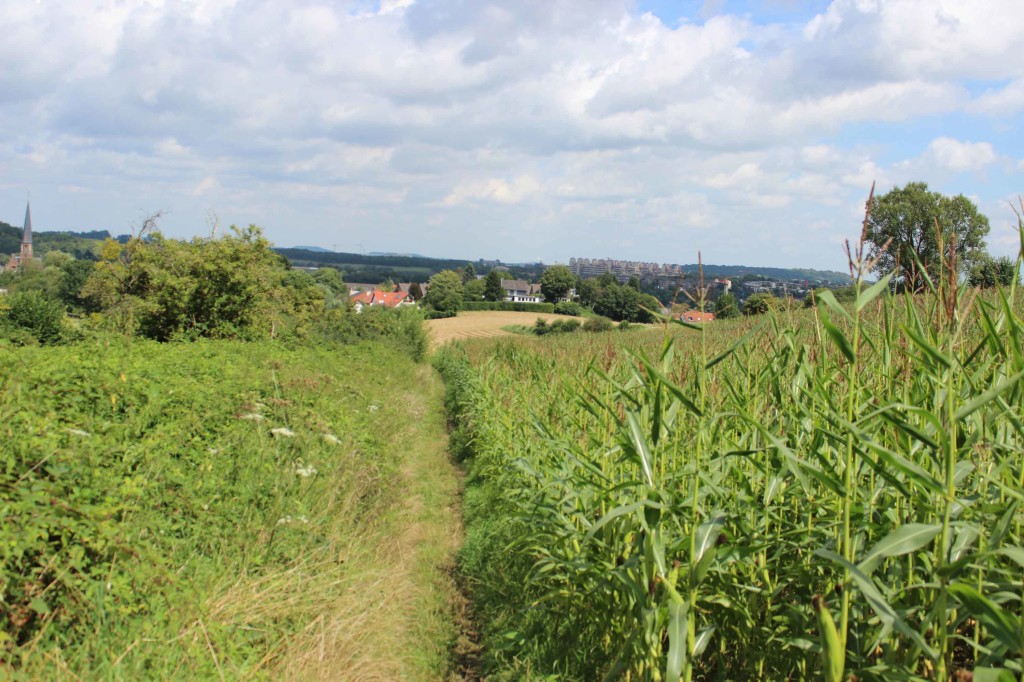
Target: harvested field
480	324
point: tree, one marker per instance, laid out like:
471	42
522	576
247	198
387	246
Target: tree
634	282
493	291
331	279
623	303
758	304
76	273
473	290
445	291
990	272
608	279
468	273
726	306
556	282
36	313
415	291
916	221
162	288
588	292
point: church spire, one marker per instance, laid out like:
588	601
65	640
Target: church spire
26	237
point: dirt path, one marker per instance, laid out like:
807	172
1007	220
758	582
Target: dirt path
399	616
417	623
480	324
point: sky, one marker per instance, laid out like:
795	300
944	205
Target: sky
520	130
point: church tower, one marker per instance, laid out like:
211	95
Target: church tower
26	236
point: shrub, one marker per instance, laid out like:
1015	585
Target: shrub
509	306
565	326
569	308
598	324
37	314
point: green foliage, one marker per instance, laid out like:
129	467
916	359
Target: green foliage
588	292
556	282
513	306
834	495
759	304
206	494
598	324
473	290
493	290
401	328
220	288
916	221
541	327
991	272
624	303
75	275
468	273
568	308
726	307
331	279
34	313
415	291
445	291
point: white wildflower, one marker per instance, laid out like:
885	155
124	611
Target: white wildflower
79	432
302	519
283	432
284	520
305	470
331	438
374	408
213	451
252	416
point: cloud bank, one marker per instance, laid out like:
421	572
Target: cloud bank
511	129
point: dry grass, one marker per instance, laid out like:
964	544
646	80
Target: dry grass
379	606
478	324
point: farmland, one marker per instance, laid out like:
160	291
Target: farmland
829	492
481	324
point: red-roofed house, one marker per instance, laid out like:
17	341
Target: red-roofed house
697	317
389	299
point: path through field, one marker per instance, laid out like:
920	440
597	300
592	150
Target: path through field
481	324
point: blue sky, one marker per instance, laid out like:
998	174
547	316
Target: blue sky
511	129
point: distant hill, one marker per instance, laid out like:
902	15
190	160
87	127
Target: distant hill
318	249
810	274
391	253
372	269
377	267
78	244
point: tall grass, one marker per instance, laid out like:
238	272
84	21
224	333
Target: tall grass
826	494
211	510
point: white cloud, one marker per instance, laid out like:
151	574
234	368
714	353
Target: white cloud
494	189
961	156
208	184
580	119
1001	102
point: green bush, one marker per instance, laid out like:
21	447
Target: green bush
36	314
401	327
145	480
569	308
509	306
565	326
598	324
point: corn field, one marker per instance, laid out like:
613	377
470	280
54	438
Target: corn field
830	494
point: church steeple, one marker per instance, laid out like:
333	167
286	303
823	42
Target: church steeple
26	236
